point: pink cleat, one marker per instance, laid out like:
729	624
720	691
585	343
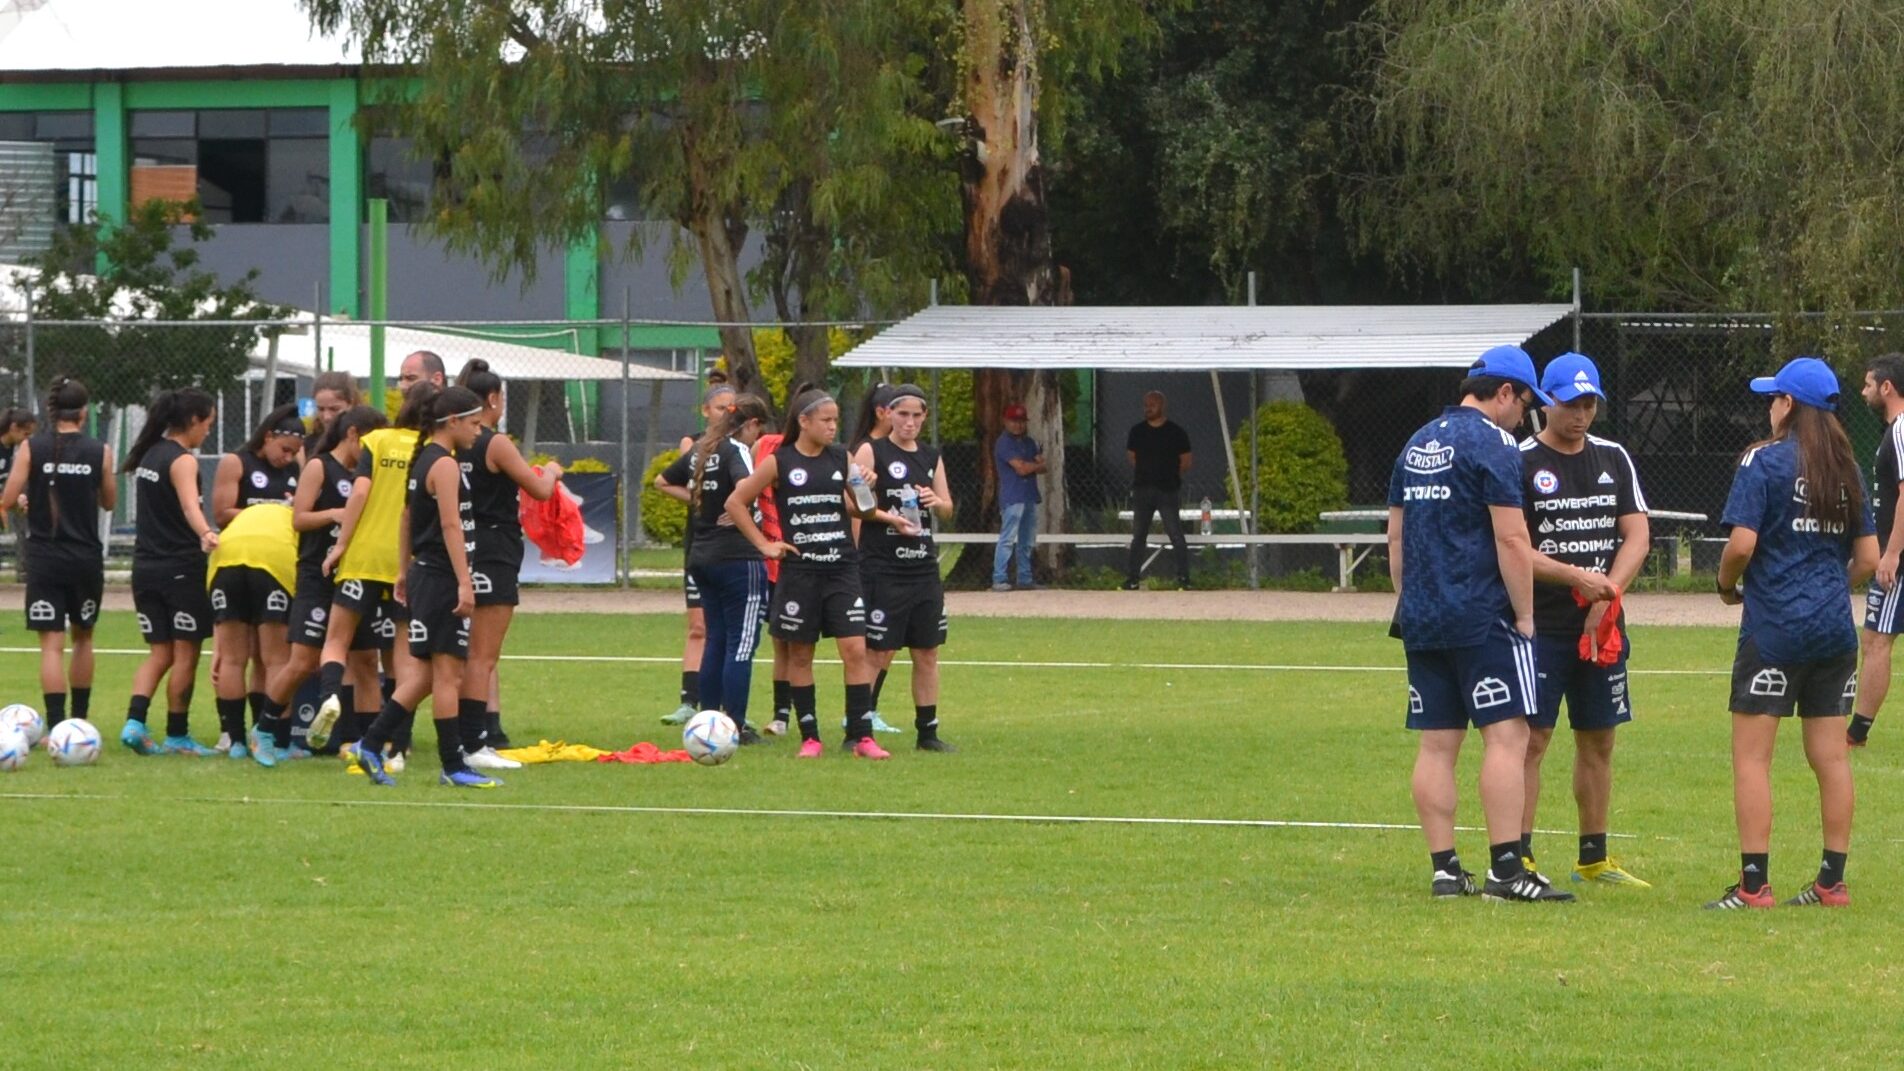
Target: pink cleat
868	749
811	749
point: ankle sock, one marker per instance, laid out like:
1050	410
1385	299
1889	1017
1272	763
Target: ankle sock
1755	870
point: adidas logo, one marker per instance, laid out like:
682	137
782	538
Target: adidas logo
1606	478
1752	868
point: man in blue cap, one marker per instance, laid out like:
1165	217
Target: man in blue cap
1459	555
1586	515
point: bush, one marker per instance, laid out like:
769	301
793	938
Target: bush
663	518
1300	464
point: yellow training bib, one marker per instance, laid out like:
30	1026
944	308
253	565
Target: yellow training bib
261	537
372	554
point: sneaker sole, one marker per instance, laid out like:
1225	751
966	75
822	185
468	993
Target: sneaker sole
319	734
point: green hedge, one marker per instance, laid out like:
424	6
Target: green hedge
1299	463
665	519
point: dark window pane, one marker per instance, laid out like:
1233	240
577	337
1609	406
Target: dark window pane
231	180
297	186
394	173
16	126
155	151
231	123
164	124
54	126
300	122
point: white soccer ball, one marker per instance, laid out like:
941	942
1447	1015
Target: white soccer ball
13	748
710	737
24	718
74	742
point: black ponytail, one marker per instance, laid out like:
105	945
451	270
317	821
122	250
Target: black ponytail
798	396
746	407
283	420
361	419
444	403
879	397
477	377
65	400
172	410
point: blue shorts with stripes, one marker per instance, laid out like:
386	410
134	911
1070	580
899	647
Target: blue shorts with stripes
1480	685
1881	609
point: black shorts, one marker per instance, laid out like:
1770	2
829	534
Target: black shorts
808	605
248	594
172	604
497	583
435	628
370	599
310	620
62	595
1822	688
904	611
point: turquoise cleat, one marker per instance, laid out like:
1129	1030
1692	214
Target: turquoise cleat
261	749
185	745
135	737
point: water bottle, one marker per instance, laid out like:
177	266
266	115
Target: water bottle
1204	524
862	494
909	506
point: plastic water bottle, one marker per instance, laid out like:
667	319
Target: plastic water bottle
1205	523
862	494
909	506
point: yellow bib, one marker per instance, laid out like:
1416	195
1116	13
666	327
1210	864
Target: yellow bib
261	537
372	554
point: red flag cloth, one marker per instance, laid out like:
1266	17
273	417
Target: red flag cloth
555	526
645	753
1604	645
769	510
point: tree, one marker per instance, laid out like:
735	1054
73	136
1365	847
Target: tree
147	276
1686	156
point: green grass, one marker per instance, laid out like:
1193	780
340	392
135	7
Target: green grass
210	914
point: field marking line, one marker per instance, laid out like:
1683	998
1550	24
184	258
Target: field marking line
1222	667
758	812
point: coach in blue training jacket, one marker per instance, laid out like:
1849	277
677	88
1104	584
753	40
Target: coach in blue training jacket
1459	554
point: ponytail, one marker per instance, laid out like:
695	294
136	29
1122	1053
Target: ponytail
745	408
800	399
876	399
477	377
444	404
283	420
413	414
361	419
172	410
65	400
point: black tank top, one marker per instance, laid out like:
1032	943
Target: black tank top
885	549
494	501
163	537
62	497
811	494
259	483
426	525
313	545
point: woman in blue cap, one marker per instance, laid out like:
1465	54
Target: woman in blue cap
1797	515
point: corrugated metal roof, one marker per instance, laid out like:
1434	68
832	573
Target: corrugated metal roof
1154	338
121	35
347	349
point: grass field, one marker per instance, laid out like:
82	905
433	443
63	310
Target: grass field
211	914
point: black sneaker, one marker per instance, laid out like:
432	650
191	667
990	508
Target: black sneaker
933	743
748	737
1525	887
1448	886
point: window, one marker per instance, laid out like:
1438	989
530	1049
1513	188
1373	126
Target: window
75	190
245	165
396	174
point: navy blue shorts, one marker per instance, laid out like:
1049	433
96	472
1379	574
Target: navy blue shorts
1884	610
1596	695
1479	685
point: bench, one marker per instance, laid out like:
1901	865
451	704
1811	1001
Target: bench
1352	548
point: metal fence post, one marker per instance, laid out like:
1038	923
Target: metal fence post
32	399
630	492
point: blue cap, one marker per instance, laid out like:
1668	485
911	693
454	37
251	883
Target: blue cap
1804	379
1571	375
1513	364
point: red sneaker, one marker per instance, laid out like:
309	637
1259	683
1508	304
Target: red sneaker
811	749
868	749
1822	896
1736	897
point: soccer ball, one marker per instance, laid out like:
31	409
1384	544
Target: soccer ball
73	743
13	748
26	719
710	738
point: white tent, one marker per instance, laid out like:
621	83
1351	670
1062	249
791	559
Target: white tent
345	346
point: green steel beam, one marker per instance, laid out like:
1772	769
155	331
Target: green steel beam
46	97
235	93
109	143
582	287
347	193
379	288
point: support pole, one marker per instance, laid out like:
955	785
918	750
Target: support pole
379	294
1256	477
647	454
1576	310
268	396
317	329
32	372
1229	448
630	482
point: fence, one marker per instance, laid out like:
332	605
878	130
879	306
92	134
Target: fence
1676	385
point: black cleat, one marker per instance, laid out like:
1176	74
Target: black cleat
1448	886
748	737
933	743
1526	887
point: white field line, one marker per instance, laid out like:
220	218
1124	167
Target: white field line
1221	667
755	812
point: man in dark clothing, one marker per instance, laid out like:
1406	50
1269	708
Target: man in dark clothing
1159	451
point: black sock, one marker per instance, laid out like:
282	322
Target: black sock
1831	871
1445	862
387	687
384	727
346	700
804	705
1504	860
361	721
859	700
691	688
349	729
280	724
472	723
231	718
330	680
138	708
492	724
1527	845
1755	870
404	735
1592	848
449	744
55	707
259	704
926	720
82	701
1860	728
879	685
782	700
178	723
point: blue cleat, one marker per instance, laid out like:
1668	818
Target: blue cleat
261	749
467	779
239	751
135	737
292	753
185	745
371	764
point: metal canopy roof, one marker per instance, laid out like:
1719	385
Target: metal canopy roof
347	349
117	35
1196	338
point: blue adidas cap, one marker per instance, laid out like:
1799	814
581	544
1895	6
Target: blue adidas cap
1512	364
1804	379
1571	375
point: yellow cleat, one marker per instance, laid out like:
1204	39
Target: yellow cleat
1608	872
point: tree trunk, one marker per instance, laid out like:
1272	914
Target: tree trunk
719	230
796	251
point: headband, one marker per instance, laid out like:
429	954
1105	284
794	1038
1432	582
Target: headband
458	416
904	390
816	403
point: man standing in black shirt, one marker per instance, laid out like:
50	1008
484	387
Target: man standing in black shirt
1883	617
1159	451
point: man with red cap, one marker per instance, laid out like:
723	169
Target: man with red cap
1019	461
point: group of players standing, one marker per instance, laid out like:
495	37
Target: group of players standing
1511	558
792	531
317	550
